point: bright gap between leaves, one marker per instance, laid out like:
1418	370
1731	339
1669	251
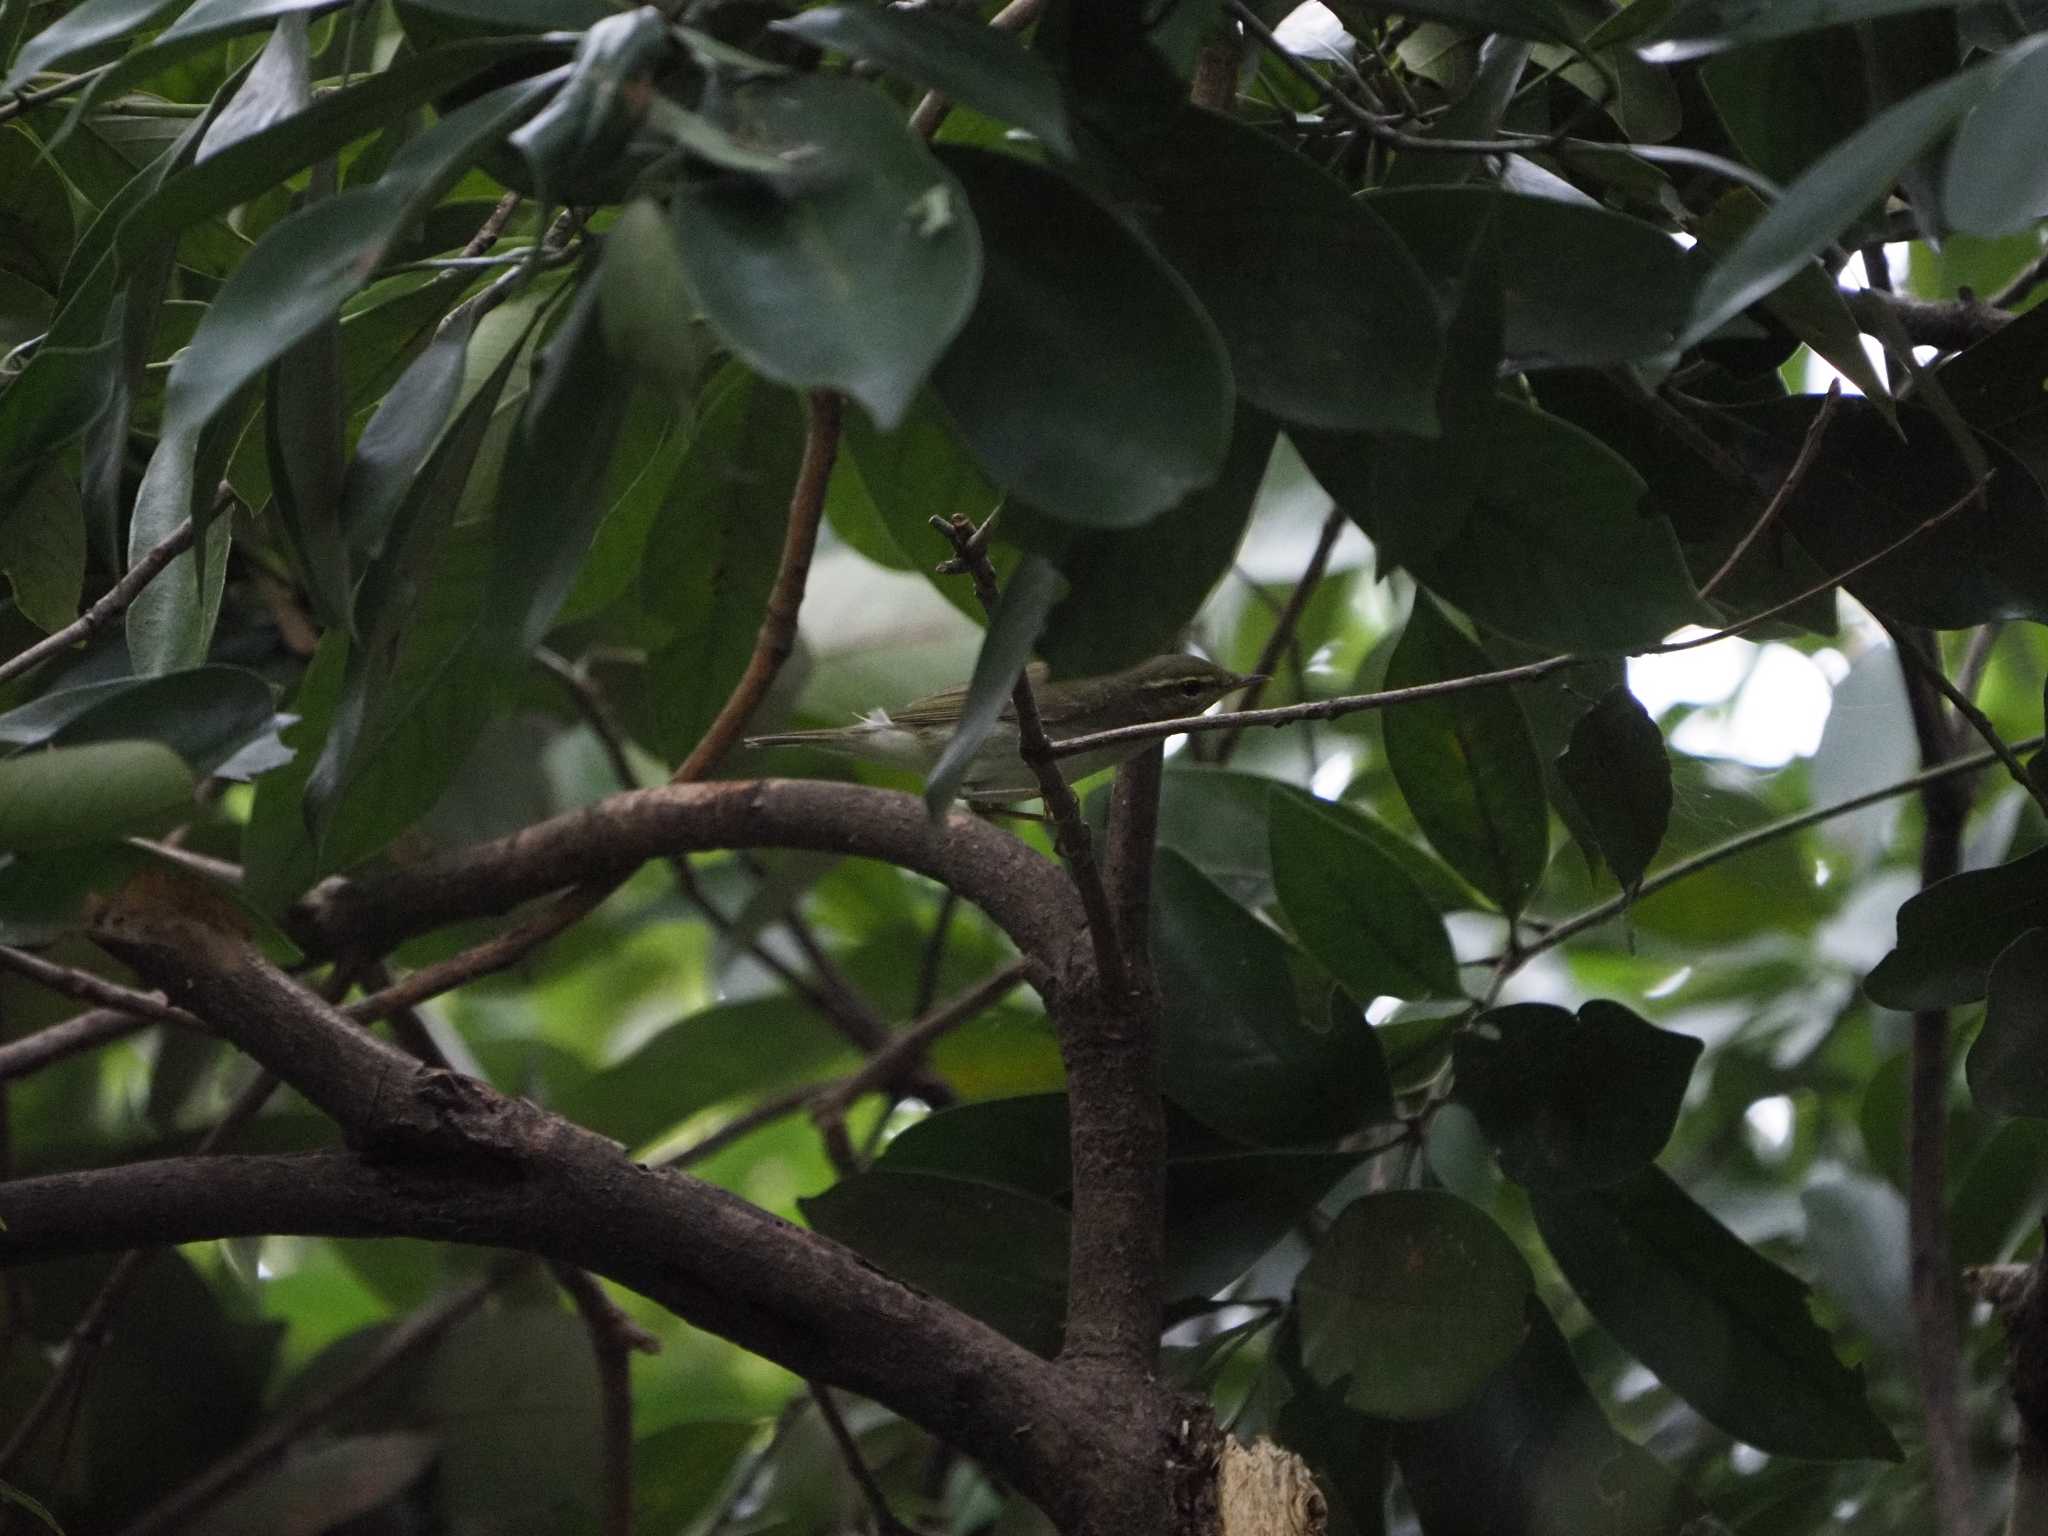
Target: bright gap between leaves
1770	1125
1760	705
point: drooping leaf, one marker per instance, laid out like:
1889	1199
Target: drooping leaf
998	1254
584	132
1132	593
69	796
1619	776
84	28
650	320
395	442
856	276
170	623
1837	189
1554	551
1013	630
1709	26
954	54
201	26
1571	1102
1583	286
45	551
711	554
280	86
1466	765
304	435
2008	1062
1105	406
1240	1056
1354	908
1723	1327
1412	497
1416	1297
1994	183
1272	247
204	715
1532	1452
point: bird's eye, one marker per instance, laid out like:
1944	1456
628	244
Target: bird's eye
1192	687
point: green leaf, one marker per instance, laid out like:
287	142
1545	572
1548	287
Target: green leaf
551	493
1952	933
1272	246
277	87
1995	183
1354	908
854	277
1417	1298
1619	776
36	228
1554	551
1721	1326
585	130
394	444
1573	1102
723	1052
1532	1452
1537	19
45	558
69	796
954	54
1132	594
1466	765
1240	1056
1583	286
1013	630
1225	1210
1411	497
170	623
678	1471
278	856
1087	381
304	430
650	319
1809	305
997	1254
84	28
515	15
2007	1066
1708	26
9	1494
204	715
1835	191
200	27
711	555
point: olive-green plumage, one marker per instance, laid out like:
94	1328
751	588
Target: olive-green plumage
1164	688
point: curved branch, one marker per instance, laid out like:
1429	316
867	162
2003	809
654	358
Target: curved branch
1021	891
791	1296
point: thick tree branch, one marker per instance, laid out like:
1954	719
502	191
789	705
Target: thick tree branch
1946	324
1025	895
572	1197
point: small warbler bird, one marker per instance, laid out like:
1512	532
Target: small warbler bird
1164	688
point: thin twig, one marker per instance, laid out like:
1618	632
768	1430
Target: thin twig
1809	451
28	101
85	1032
1931	1270
932	965
107	609
84	987
2031	277
1330	709
1931	673
408	1341
1071	839
777	637
849	1451
1282	639
1706	858
1977	656
614	1339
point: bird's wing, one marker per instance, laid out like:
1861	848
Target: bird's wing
941	708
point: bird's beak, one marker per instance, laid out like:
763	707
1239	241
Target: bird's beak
1250	678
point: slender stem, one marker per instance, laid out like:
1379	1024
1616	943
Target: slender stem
1756	837
1809	451
777	636
1282	639
1071	839
614	1338
88	988
1930	672
85	1032
932	109
1946	805
1331	709
849	1452
108	608
28	101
